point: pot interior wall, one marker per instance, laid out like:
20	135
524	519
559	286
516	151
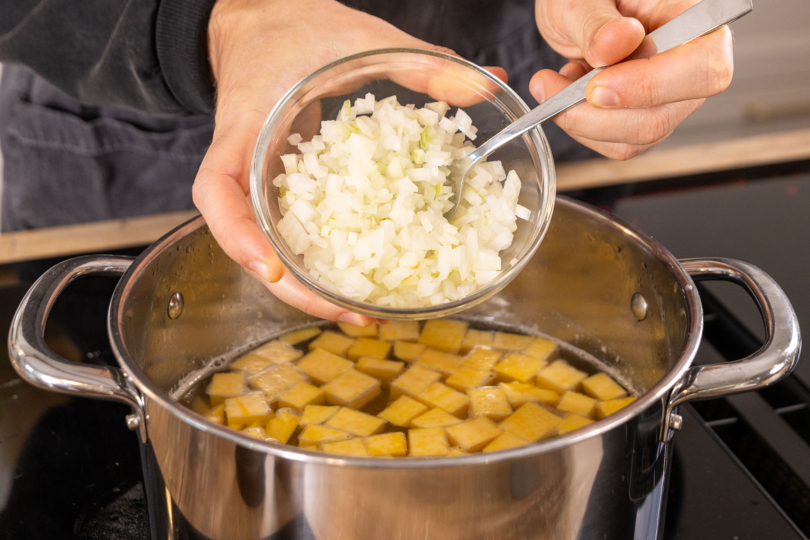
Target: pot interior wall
578	288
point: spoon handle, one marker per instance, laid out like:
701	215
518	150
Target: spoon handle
701	19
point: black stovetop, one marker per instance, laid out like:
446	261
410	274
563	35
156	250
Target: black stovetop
69	468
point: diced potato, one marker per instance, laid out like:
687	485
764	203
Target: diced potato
400	331
402	411
455	452
277	380
356	423
531	422
294	338
369	347
256	432
444	363
260	423
602	387
427	442
503	441
473	435
385	370
246	409
333	342
465	378
224	386
519	393
577	403
282	426
199	405
408	351
517	367
560	376
443	334
252	363
474	338
352	447
482	358
435	418
511	342
387	444
358	331
301	395
414	381
323	366
489	401
317	414
315	434
216	414
571	422
310	447
445	398
605	408
542	349
278	351
351	389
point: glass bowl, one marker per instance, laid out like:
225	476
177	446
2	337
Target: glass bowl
417	77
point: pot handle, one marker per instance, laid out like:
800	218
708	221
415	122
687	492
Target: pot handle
774	361
41	367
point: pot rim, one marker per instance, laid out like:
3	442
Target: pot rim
659	391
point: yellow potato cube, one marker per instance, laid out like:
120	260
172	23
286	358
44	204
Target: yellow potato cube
435	418
400	331
427	442
482	358
542	349
252	363
385	370
317	414
278	351
301	395
387	444
560	376
408	351
571	422
517	367
323	366
310	447
511	342
226	385
445	398
260	423
489	401
352	447
315	434
356	423
531	422
454	452
293	338
443	334
282	426
504	441
369	347
199	405
474	338
465	378
358	331
351	389
605	408
216	414
402	411
602	387
414	381
577	403
246	409
519	393
444	363
333	342
473	435
277	380
256	432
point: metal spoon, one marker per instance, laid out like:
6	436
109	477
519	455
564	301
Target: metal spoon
701	19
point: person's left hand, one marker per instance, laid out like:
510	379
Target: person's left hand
635	105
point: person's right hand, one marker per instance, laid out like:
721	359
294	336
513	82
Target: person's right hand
259	49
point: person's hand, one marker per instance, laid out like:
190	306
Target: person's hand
259	49
635	105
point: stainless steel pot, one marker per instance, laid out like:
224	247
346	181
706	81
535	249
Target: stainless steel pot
595	282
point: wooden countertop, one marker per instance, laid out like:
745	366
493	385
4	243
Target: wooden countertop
110	235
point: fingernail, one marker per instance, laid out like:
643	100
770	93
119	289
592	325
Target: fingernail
260	268
352	318
538	90
604	97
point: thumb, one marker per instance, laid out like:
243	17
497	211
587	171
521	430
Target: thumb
602	34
